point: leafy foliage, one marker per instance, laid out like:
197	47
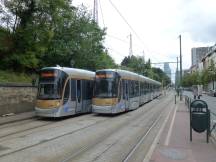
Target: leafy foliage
138	65
203	77
49	32
191	79
9	76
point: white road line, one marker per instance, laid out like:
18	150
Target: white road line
170	128
154	144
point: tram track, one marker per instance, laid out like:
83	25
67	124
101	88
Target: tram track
97	158
15	122
85	148
12	124
41	125
142	138
27	129
45	141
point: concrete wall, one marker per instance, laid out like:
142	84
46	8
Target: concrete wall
17	98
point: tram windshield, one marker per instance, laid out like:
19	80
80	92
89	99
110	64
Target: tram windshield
106	86
48	91
51	84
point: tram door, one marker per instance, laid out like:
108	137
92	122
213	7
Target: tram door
79	96
126	95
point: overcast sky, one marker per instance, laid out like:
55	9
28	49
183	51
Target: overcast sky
157	25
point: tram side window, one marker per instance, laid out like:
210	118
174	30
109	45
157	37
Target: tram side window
73	90
120	91
131	88
84	90
89	86
67	92
78	90
150	87
136	88
124	90
143	88
140	88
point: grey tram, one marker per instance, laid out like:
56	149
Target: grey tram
64	91
118	91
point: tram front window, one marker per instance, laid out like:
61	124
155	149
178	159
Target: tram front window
106	88
48	91
51	83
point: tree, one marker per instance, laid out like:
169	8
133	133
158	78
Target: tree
205	77
212	72
192	79
138	65
50	32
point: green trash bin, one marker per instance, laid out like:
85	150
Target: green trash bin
199	118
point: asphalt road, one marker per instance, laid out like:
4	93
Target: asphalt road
124	137
211	101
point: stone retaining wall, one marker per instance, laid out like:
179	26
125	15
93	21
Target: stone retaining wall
17	98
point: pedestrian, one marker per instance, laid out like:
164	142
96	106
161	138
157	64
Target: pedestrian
195	92
199	88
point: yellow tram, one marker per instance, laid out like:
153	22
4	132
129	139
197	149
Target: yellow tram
64	91
118	91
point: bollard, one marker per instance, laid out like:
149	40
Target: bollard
189	103
175	99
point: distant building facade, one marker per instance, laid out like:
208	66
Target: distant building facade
167	69
206	62
197	55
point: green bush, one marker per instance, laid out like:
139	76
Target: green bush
9	76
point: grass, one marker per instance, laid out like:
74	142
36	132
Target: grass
12	77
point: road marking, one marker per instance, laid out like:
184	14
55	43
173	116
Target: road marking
154	144
170	128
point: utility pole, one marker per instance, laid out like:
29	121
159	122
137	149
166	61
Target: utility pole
95	11
180	67
177	76
130	46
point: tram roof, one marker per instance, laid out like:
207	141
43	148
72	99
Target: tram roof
131	75
74	72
